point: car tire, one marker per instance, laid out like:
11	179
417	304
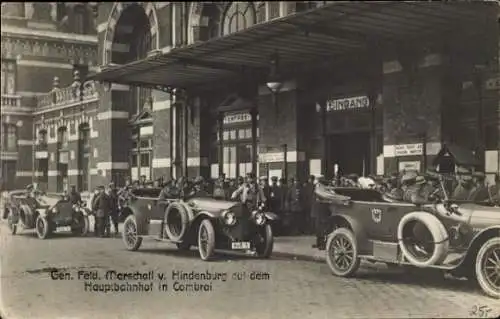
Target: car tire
129	235
264	249
342	252
439	236
42	227
11	223
178	234
183	246
486	260
206	240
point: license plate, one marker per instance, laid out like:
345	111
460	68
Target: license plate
240	245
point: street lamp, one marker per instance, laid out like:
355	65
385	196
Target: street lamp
274	82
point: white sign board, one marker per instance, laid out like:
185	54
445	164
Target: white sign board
409	149
351	103
315	167
409	166
271	157
237	118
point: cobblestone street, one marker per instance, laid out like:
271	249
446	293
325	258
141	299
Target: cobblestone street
296	289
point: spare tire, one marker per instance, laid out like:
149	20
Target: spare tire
437	231
176	221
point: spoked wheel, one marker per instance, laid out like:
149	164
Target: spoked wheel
42	227
10	223
264	242
488	267
130	238
206	240
342	253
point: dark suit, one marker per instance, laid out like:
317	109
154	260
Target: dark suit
103	208
75	198
113	196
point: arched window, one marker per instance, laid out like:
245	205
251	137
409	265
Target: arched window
80	20
10	137
42	138
62	138
239	16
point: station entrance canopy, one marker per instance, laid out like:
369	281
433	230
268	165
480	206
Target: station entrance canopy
330	32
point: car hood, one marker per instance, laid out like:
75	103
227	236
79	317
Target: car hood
481	216
211	205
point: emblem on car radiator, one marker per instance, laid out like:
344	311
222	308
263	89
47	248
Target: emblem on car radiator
376	214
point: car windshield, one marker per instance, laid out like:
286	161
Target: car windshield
147	192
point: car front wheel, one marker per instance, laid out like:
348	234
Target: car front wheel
130	237
42	227
206	240
488	267
264	242
342	253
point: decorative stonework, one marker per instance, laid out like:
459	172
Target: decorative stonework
14	47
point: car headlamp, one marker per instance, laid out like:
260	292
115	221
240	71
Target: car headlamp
55	210
229	218
259	217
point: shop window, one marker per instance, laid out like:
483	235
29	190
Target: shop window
239	16
8	77
229	167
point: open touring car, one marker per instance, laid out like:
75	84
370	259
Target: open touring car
44	213
460	238
206	223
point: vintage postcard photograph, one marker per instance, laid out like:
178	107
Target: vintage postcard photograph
250	160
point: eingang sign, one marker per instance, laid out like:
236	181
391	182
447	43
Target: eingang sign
351	103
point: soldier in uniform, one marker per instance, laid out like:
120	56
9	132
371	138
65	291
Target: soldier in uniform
114	212
219	187
101	207
464	185
74	196
294	202
250	193
264	186
274	195
308	196
321	213
479	192
198	188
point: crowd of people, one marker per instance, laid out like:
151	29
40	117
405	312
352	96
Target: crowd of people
293	200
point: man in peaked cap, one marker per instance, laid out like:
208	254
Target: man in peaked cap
250	193
114	212
264	185
479	192
274	195
464	184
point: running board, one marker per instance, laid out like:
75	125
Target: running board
370	258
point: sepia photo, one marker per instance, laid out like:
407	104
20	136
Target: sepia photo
240	160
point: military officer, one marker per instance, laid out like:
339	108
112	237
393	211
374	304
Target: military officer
294	201
274	195
264	186
308	195
479	192
114	211
250	193
465	185
321	213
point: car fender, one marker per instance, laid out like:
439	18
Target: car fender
357	229
43	212
475	245
142	219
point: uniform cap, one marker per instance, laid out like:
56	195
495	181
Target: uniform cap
408	176
274	179
419	180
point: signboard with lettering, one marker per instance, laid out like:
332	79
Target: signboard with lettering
409	166
237	118
271	157
351	103
409	149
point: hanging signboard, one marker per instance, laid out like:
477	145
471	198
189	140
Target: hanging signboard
237	118
351	103
409	149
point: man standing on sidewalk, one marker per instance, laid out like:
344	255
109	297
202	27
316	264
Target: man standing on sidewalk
113	196
308	191
295	205
322	213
